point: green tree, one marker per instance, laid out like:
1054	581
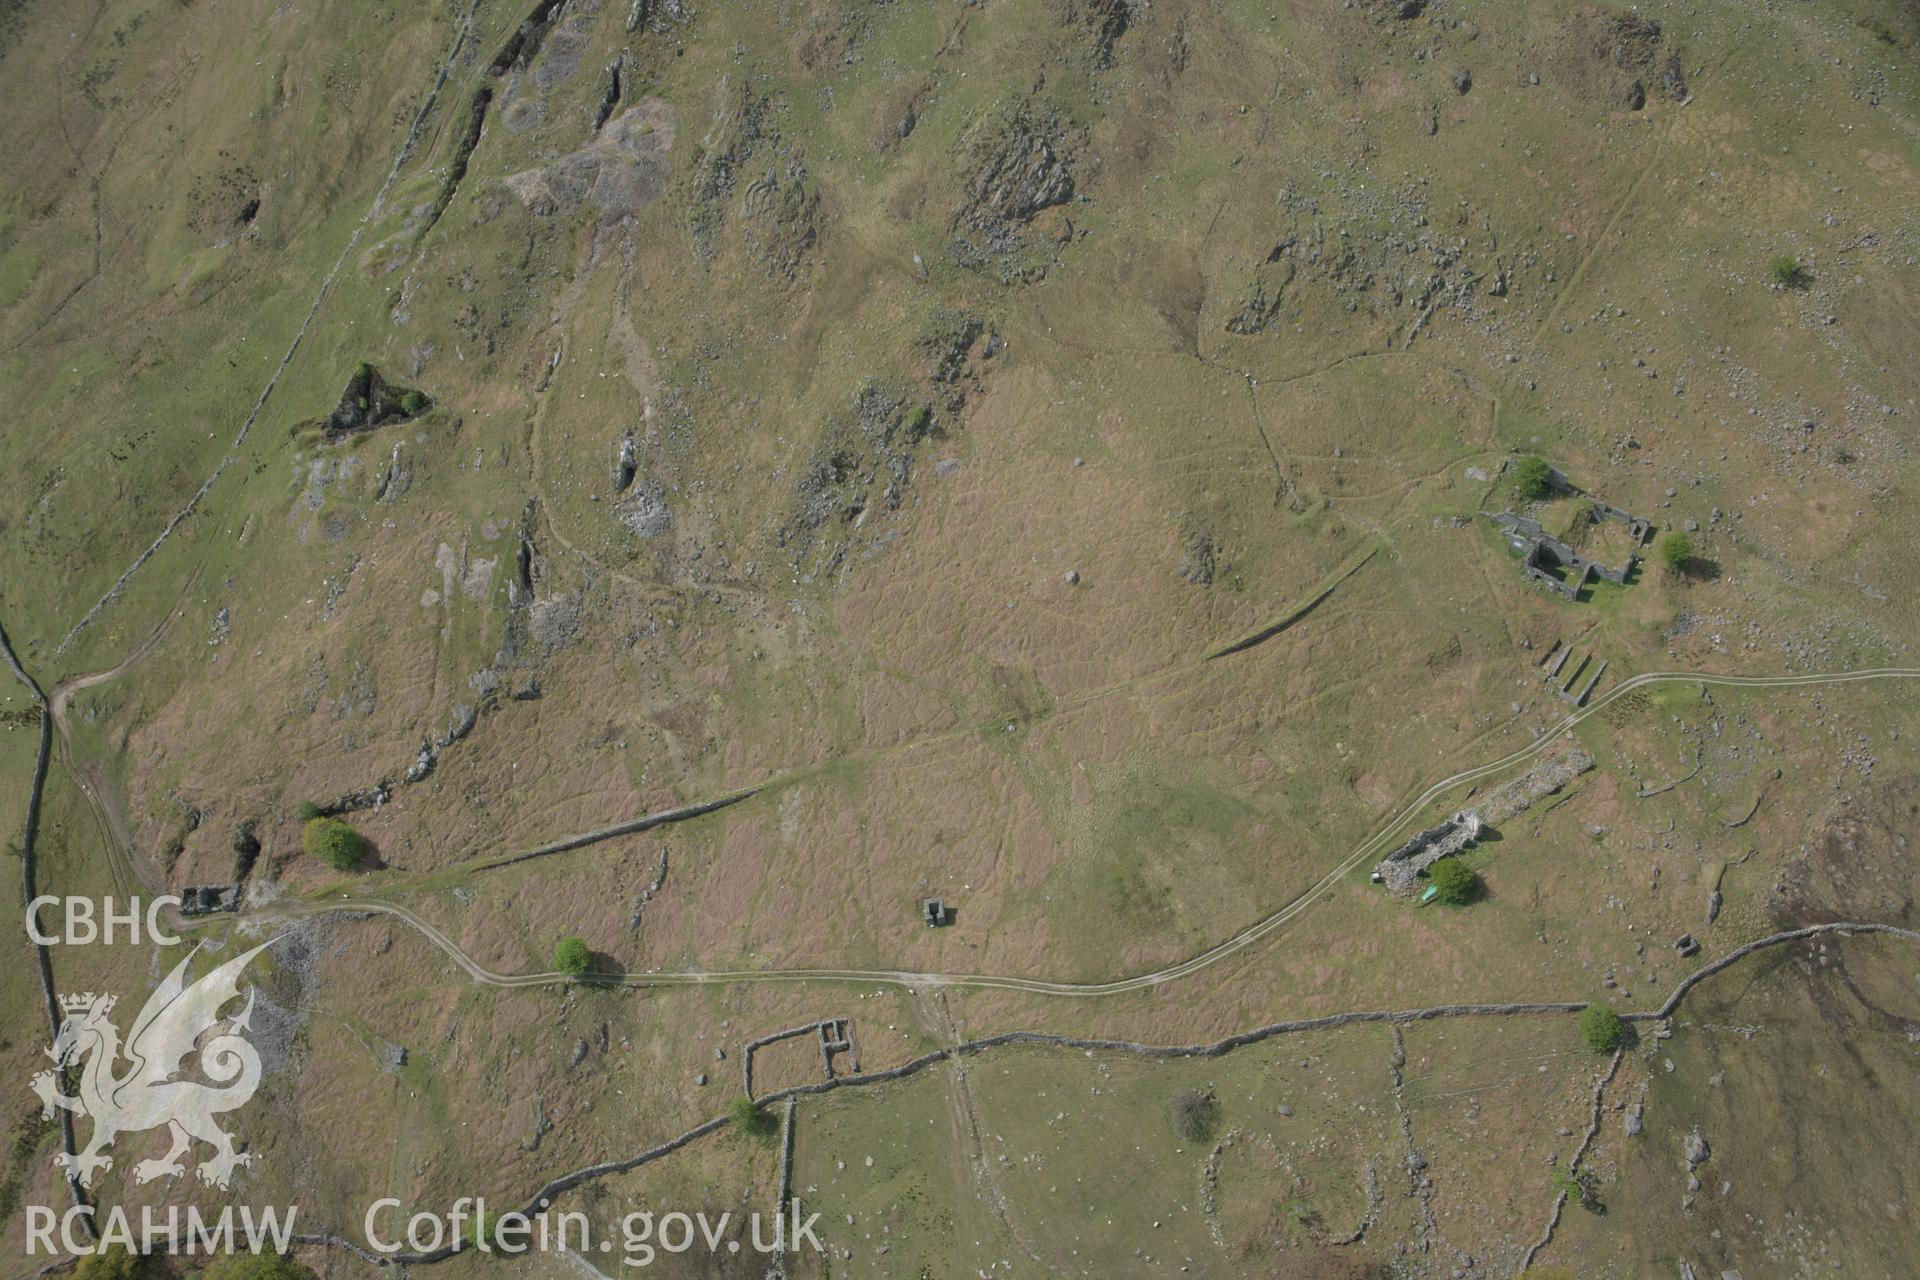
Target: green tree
1193	1114
1675	552
309	811
1454	881
1601	1028
115	1262
1532	478
486	1226
335	843
752	1119
256	1266
571	957
1787	271
413	404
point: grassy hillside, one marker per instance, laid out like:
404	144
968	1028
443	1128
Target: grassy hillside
1036	447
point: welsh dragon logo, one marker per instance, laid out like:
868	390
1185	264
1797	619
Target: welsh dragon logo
132	1088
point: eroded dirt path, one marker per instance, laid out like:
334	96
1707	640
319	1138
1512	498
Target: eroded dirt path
130	872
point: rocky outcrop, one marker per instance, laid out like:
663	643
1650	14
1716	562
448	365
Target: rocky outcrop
370	401
1630	56
1202	558
1106	21
861	463
470	131
623	169
520	48
777	209
1259	305
1019	162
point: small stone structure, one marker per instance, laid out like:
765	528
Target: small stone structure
1571	688
1552	563
1400	870
934	912
836	1038
1639	528
209	899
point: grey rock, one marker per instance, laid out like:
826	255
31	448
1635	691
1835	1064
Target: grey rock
646	514
460	722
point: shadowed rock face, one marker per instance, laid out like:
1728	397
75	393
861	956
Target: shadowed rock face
371	401
1108	20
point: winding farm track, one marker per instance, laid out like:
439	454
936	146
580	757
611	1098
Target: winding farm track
53	720
1117	986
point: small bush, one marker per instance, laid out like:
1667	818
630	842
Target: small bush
486	1227
1532	478
1579	1187
571	957
335	843
362	371
115	1262
1194	1114
1454	881
1787	271
413	404
752	1119
309	811
1675	552
255	1266
1601	1028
